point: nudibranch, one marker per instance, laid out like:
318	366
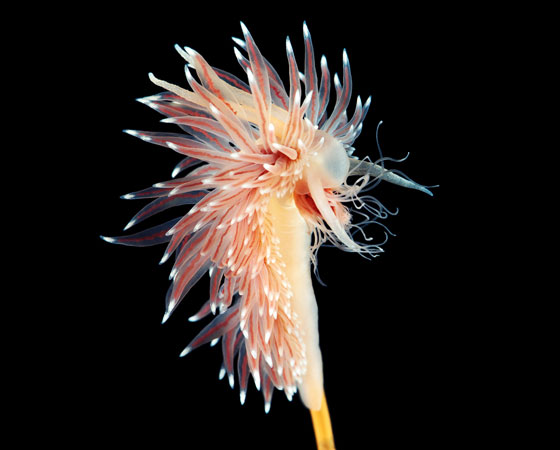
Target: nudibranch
269	181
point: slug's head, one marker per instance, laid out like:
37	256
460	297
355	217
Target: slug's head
327	163
318	191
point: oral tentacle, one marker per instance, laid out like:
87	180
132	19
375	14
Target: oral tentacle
361	167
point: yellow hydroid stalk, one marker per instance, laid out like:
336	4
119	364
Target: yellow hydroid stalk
322	426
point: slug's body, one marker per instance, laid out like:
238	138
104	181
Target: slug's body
294	244
272	187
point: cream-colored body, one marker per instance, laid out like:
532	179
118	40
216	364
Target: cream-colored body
295	244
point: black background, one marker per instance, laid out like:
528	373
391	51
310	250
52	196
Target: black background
401	335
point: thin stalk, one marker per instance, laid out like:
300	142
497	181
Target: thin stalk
322	426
